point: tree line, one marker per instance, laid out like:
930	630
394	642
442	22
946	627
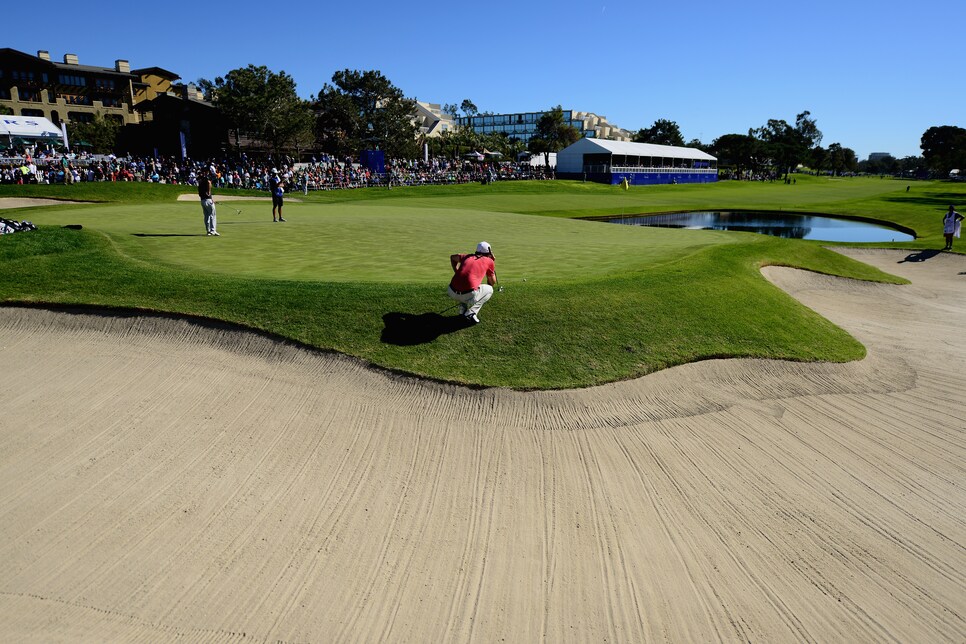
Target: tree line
782	146
361	110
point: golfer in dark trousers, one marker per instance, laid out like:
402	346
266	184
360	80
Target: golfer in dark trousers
467	285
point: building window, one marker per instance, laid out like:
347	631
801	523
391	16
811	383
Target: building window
30	95
18	75
31	112
80	117
72	79
110	101
76	99
104	83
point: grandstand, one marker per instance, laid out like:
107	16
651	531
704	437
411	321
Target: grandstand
612	162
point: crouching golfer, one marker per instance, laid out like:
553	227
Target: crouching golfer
467	286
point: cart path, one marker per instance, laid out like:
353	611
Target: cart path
163	479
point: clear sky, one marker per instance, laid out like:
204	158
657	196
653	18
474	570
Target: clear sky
874	75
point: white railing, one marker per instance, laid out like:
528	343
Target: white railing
638	169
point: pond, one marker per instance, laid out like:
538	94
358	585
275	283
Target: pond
776	224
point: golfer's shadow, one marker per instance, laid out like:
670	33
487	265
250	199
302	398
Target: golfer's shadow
407	329
920	256
169	234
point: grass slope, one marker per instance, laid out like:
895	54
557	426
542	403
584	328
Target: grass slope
363	272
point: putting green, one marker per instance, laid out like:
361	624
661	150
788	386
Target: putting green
364	272
378	243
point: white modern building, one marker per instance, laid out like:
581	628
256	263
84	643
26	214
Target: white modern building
523	125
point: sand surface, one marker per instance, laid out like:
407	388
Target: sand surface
24	202
164	480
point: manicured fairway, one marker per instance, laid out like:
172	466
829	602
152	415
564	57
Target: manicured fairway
364	272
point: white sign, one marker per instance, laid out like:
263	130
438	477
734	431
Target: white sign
28	126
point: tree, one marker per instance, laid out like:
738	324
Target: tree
740	150
789	145
817	158
468	107
841	159
663	132
553	133
450	108
807	130
4	109
911	166
207	88
882	165
944	148
697	145
100	132
261	104
364	110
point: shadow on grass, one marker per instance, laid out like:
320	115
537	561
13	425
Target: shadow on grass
408	329
919	256
938	199
169	234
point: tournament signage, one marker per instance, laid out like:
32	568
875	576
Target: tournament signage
28	126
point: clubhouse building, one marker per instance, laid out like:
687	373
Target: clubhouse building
156	113
612	162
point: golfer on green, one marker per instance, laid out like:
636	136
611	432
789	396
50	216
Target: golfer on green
467	285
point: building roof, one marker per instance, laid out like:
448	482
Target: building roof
7	51
59	66
156	71
627	148
88	68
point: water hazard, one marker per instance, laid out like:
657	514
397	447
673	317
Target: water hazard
776	224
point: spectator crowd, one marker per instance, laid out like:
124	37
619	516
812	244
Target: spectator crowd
243	172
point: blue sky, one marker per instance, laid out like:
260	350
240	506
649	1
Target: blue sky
874	75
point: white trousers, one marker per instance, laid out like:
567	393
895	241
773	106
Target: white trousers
474	300
208	207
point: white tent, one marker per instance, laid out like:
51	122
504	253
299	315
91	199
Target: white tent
28	127
571	159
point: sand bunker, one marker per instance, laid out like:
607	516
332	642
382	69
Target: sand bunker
162	479
26	202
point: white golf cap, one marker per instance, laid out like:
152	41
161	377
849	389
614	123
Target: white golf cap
483	247
274	170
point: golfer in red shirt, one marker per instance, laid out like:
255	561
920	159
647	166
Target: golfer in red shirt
467	285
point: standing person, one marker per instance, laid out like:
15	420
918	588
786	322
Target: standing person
467	286
68	171
951	226
277	188
207	204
